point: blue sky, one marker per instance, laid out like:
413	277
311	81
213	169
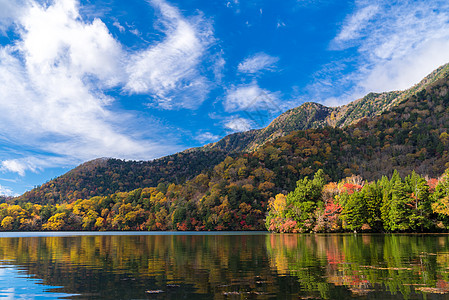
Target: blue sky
82	79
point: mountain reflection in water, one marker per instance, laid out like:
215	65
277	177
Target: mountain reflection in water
260	266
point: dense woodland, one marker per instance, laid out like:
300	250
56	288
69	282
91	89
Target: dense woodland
395	204
410	204
206	189
105	176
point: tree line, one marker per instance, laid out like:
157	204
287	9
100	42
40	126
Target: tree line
391	204
395	204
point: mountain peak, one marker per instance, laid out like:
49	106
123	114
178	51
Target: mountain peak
315	115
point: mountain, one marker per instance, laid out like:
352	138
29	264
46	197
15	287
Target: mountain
370	136
314	115
104	176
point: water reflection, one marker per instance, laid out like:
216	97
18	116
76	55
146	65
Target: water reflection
393	266
230	267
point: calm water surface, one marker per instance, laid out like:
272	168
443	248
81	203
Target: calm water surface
223	266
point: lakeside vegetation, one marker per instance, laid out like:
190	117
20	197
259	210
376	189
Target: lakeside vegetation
410	204
395	204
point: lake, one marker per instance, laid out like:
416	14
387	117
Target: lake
237	265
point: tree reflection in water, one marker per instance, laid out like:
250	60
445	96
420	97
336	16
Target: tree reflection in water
235	266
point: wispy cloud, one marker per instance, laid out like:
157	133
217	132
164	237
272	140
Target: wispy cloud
280	24
238	124
170	70
356	25
392	44
119	26
233	4
9	10
218	66
258	62
249	97
34	163
206	137
5	191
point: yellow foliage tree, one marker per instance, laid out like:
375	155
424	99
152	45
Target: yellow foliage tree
56	222
278	204
7	222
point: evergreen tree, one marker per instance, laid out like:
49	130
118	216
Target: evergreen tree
420	202
399	209
304	200
372	194
354	212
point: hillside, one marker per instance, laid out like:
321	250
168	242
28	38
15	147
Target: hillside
395	130
105	176
314	115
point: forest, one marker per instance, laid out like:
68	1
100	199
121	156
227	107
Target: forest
394	204
410	204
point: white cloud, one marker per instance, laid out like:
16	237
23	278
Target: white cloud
238	124
4	191
393	45
169	70
16	166
206	137
250	97
55	39
55	77
356	23
258	62
9	10
49	94
402	72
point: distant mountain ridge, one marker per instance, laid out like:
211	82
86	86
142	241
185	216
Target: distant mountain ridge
315	115
103	177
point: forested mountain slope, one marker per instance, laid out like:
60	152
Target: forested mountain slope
105	176
397	130
314	115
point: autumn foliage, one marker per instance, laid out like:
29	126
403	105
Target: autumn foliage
392	204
